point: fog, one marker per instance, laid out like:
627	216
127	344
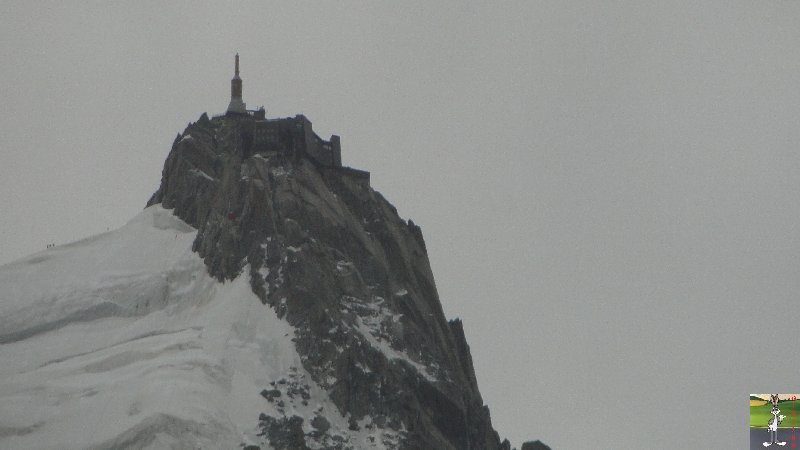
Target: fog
608	190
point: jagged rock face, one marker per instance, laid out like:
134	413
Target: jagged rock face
334	259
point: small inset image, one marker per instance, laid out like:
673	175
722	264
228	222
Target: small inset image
773	420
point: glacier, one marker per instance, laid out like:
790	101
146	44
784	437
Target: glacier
123	340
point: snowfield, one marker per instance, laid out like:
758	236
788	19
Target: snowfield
122	340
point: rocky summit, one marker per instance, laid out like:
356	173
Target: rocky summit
332	256
266	298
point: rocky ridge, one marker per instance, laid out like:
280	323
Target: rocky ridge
335	260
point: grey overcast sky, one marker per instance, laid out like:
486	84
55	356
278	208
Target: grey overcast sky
608	190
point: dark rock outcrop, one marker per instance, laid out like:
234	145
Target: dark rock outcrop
534	445
333	258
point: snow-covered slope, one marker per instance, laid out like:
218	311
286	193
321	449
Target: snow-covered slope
122	340
261	301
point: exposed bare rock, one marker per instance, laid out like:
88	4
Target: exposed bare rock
334	259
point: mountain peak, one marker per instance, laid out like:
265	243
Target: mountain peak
267	297
334	259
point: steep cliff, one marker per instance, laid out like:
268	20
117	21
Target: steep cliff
334	259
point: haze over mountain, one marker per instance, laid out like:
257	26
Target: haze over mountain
266	298
608	190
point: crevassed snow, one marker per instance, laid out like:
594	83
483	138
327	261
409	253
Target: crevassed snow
124	338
